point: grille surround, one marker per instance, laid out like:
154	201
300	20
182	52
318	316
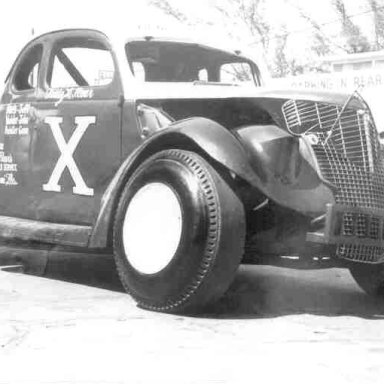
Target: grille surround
347	148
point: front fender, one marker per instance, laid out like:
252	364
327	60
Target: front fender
246	152
291	174
200	133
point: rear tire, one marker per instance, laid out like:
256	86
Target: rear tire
369	277
194	229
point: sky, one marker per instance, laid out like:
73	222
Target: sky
43	16
122	16
135	16
25	18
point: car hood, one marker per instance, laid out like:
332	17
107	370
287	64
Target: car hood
163	91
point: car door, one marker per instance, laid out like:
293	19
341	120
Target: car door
16	130
77	146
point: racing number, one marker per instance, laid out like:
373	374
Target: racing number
66	157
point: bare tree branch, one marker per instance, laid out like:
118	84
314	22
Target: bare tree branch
170	10
322	44
251	14
377	8
354	38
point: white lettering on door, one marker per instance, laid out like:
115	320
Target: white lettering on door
66	158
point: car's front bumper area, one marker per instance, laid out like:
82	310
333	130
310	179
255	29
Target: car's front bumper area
357	233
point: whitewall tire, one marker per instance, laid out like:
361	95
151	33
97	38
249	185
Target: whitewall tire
178	233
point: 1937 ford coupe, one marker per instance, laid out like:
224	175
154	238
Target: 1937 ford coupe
172	156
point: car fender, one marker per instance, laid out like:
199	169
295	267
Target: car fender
246	152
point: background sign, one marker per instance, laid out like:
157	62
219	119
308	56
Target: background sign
371	81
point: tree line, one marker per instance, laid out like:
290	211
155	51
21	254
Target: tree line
344	31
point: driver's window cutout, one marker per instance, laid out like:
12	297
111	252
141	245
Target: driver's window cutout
75	66
26	74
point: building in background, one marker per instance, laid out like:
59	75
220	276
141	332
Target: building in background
346	73
355	61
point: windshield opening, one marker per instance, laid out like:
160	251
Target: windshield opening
158	61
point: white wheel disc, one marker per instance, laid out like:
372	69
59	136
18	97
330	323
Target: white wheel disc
152	228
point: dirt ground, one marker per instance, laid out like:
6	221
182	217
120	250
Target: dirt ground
273	326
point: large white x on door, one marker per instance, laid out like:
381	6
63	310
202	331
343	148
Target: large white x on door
76	152
66	159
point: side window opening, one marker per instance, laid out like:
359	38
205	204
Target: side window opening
203	74
32	78
75	65
236	72
27	72
138	70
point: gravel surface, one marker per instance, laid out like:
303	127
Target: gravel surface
273	326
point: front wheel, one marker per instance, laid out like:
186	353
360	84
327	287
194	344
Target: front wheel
369	277
178	233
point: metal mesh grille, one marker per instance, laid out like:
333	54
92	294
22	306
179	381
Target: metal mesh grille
360	225
362	253
350	159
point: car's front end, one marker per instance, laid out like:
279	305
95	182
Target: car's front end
338	136
313	153
307	166
347	149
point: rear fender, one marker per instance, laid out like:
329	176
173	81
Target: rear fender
239	151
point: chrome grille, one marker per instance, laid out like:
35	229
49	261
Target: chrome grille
360	225
350	158
362	253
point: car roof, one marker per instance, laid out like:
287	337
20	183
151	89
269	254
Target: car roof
119	38
48	34
146	35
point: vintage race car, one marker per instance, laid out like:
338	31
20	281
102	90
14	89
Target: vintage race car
171	155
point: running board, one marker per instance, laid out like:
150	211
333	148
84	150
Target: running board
30	230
